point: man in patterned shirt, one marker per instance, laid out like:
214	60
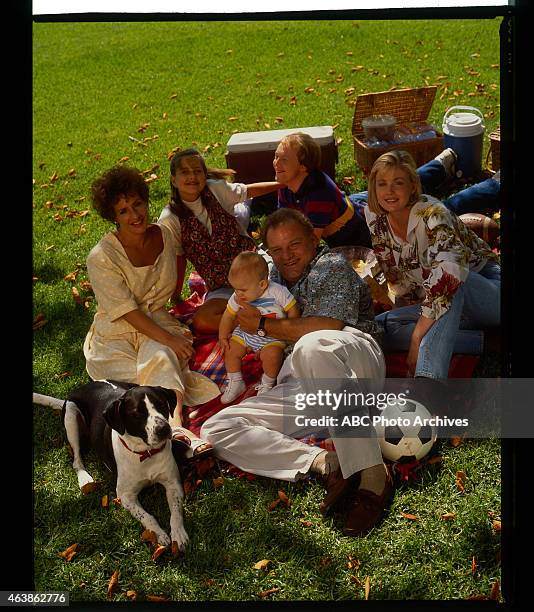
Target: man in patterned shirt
336	339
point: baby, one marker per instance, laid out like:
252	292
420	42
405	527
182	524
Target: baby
249	277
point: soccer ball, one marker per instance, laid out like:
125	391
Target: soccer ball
404	431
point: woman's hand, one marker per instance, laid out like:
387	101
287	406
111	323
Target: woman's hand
182	345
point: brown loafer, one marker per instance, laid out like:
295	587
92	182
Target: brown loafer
336	488
367	509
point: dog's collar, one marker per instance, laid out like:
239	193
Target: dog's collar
146	454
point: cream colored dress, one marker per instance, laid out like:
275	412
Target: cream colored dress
113	348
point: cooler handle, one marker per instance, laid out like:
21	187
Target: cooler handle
472	108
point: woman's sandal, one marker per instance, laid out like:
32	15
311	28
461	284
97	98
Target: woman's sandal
195	448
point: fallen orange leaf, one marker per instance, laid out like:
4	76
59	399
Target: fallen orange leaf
273	504
262	564
353	563
160	549
149	536
455	441
155	598
131	595
448	515
496	525
473	566
69	552
268	592
367	587
411	517
283	498
460	481
39	321
89	487
104	502
113	583
218	482
76	295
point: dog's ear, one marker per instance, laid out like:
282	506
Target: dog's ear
170	397
112	415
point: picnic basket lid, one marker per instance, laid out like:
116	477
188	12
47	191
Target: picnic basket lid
406	105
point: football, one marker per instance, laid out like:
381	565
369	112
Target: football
484	227
404	431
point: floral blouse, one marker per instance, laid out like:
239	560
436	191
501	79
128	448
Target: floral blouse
438	254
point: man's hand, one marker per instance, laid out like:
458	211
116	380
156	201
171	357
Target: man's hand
248	317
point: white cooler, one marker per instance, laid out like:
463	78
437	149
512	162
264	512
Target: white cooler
251	154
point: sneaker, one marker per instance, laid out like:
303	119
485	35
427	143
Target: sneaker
448	159
263	388
234	389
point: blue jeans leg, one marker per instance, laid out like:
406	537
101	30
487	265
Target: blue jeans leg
480	198
432	175
399	325
475	304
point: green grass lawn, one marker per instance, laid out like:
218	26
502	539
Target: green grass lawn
108	92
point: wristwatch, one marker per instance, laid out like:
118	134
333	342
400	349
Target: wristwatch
261	327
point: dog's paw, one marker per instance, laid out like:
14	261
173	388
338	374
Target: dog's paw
163	538
180	539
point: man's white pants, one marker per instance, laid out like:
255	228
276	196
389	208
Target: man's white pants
249	435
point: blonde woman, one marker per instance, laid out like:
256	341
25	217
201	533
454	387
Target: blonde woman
447	278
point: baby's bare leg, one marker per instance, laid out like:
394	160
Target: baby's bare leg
271	357
233	356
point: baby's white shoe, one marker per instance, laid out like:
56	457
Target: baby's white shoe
263	387
234	388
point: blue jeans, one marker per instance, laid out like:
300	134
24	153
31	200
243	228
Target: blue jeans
476	304
480	198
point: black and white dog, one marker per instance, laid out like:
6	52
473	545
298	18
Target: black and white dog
128	427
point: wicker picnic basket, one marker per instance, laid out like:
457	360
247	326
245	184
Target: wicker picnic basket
407	106
495	149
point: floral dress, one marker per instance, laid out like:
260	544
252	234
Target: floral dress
438	254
